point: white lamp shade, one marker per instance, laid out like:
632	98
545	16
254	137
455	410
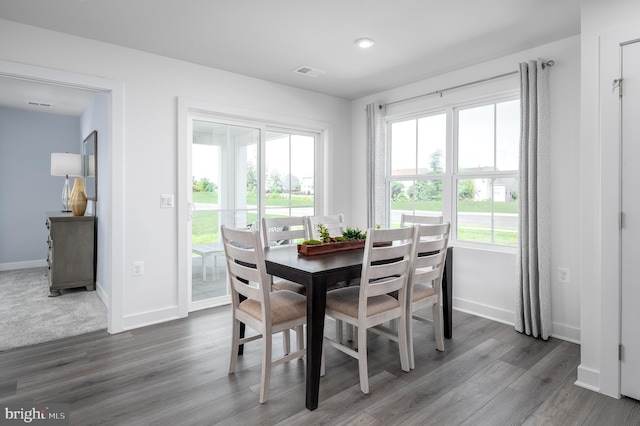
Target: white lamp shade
65	164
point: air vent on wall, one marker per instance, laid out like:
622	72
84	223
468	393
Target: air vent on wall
40	104
309	71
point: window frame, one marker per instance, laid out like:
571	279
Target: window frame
317	137
451	175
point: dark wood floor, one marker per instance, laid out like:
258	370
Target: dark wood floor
176	374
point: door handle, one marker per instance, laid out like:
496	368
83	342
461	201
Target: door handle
192	210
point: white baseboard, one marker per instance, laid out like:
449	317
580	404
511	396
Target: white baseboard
560	331
102	295
484	311
22	265
588	378
150	318
566	332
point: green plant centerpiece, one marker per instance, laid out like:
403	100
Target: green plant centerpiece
351	238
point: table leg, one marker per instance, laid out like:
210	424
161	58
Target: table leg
316	304
204	267
447	293
242	329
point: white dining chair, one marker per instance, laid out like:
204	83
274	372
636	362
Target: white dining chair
425	281
385	271
333	223
280	231
410	220
268	312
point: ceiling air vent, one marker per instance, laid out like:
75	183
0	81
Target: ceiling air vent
309	71
40	104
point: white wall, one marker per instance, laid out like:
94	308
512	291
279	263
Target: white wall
27	138
484	281
96	117
598	369
152	85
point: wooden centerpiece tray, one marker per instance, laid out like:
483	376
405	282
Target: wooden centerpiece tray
311	250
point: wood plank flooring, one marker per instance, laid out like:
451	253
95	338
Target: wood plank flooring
176	374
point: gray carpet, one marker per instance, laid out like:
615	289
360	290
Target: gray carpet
29	316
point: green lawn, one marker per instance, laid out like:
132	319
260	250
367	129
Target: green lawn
507	238
205	197
205	223
204	226
281	200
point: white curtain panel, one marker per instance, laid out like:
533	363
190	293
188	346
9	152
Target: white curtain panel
533	295
376	160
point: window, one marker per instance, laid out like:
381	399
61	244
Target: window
418	157
479	187
289	174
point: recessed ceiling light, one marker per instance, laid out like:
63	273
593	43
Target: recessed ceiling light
364	43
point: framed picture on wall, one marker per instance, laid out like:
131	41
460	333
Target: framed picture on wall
90	165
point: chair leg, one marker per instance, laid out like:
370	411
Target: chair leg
300	337
286	342
354	335
339	336
412	361
403	344
350	332
267	340
438	326
362	360
235	344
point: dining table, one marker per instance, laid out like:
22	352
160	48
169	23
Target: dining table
317	272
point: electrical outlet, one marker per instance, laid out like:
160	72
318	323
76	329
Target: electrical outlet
564	275
138	268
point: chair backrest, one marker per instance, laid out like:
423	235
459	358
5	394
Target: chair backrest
429	255
386	263
282	230
410	220
246	266
334	223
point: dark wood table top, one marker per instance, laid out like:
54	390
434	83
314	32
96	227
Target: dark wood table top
287	256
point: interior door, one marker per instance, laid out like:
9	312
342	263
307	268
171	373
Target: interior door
225	180
630	235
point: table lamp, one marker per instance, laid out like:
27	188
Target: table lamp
66	164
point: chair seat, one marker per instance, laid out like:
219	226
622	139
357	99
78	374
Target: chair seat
282	284
345	300
422	291
285	306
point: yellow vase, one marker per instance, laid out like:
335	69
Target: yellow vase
78	199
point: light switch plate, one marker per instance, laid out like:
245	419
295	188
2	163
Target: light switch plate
138	268
166	201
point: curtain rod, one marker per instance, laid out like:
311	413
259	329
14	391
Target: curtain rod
441	91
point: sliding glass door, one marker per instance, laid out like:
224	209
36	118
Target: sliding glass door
225	191
240	171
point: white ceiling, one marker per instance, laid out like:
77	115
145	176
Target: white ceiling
414	39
